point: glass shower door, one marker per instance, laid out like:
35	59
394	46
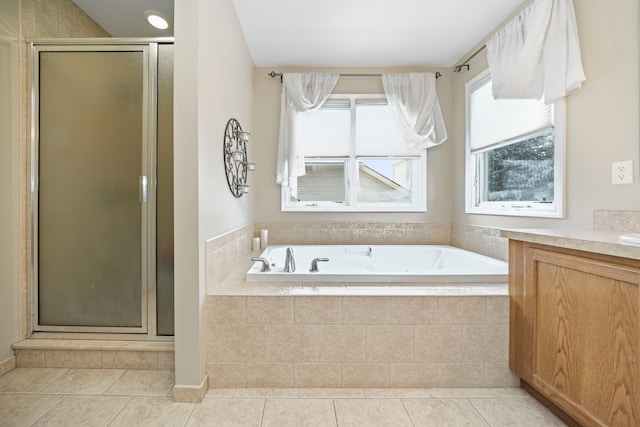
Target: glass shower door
92	160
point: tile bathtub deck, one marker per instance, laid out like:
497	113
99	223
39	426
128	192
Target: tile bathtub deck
118	397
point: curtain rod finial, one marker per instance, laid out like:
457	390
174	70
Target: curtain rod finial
273	75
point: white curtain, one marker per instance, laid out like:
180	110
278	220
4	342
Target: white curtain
414	99
537	54
300	92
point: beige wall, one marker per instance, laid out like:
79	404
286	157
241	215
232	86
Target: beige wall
601	127
601	121
267	116
9	175
213	83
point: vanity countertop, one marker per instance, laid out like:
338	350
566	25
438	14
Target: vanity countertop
605	242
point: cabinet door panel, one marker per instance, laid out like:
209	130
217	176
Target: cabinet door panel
585	335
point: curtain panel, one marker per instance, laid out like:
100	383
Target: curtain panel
537	54
414	100
300	92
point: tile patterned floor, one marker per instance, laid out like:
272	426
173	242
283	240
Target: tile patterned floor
117	397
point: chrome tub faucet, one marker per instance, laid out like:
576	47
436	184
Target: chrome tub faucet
289	261
265	264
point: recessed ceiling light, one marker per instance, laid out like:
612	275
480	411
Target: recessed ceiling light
156	19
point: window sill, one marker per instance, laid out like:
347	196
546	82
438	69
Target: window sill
351	209
510	211
355	209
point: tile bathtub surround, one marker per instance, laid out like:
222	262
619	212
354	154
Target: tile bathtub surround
225	251
480	239
616	220
45	396
483	240
358	341
357	233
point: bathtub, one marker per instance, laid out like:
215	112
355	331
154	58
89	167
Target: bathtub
437	264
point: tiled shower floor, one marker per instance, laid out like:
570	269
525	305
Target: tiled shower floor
117	397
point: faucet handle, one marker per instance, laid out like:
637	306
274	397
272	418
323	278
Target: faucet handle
265	264
314	264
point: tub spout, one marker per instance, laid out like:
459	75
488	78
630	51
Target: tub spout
314	264
289	262
265	264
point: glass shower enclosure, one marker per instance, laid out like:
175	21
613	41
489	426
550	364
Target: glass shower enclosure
102	186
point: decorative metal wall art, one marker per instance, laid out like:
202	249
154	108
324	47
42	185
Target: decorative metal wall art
236	165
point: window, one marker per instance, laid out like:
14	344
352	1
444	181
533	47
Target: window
356	160
514	154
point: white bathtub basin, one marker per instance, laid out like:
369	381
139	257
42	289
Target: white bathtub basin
381	263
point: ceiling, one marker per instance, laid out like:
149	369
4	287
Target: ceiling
335	33
125	18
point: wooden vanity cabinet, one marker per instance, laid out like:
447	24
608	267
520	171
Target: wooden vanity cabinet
575	334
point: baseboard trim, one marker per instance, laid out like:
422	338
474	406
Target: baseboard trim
7	365
190	393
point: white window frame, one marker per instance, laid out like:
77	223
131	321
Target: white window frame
473	204
418	175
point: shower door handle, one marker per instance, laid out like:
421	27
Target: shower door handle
143	189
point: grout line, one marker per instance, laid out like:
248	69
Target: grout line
264	406
50	409
246	308
52	380
413	358
124	371
295	304
407	412
389	375
478	411
295	384
335	411
186	421
120	411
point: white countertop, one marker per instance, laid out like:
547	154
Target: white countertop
604	242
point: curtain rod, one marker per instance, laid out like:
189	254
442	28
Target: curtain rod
273	75
458	68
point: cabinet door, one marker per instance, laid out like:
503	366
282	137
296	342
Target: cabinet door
584	317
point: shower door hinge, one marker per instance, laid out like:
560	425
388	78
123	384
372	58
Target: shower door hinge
143	189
